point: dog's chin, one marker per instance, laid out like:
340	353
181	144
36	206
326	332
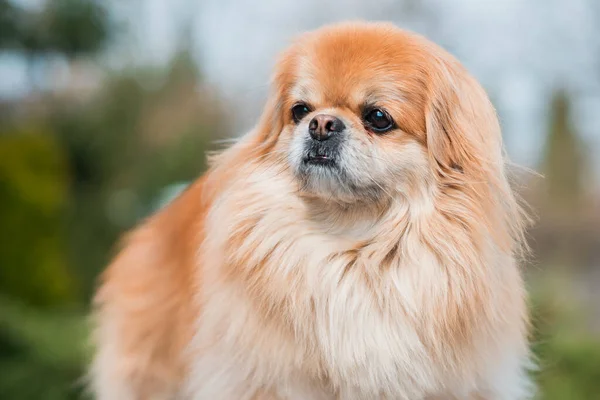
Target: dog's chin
324	178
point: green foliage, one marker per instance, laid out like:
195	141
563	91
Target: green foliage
33	189
568	356
42	355
571	370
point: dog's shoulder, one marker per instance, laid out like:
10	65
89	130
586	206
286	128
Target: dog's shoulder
144	306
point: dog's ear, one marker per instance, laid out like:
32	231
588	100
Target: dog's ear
274	114
465	148
271	121
463	134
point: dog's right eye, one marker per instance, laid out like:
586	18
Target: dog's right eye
300	111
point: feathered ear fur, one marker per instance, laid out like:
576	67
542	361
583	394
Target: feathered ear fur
274	114
463	134
465	147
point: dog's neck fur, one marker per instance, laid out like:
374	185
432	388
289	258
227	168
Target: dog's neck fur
329	282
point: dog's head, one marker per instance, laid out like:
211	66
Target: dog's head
365	112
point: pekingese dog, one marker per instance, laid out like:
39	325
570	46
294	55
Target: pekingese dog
359	243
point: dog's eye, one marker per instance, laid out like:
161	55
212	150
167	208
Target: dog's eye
300	111
378	120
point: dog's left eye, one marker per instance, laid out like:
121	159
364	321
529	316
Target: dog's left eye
378	120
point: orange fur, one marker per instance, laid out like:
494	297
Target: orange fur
254	284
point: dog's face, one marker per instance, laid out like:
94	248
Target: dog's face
355	108
355	115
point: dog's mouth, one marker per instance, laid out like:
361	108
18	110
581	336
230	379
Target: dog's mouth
319	160
319	156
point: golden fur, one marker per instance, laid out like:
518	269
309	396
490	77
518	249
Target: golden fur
399	282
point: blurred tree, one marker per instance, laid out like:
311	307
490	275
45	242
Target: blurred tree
69	188
563	237
71	28
563	161
128	145
76	27
9	31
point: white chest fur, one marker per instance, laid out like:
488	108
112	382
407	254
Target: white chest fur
298	309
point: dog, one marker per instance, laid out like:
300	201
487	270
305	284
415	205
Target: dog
361	242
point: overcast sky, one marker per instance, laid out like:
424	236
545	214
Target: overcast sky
520	50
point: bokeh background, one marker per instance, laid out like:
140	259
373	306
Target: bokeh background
107	109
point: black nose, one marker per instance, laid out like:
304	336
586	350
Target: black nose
324	126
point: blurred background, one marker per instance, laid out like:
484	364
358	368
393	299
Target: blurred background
107	108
